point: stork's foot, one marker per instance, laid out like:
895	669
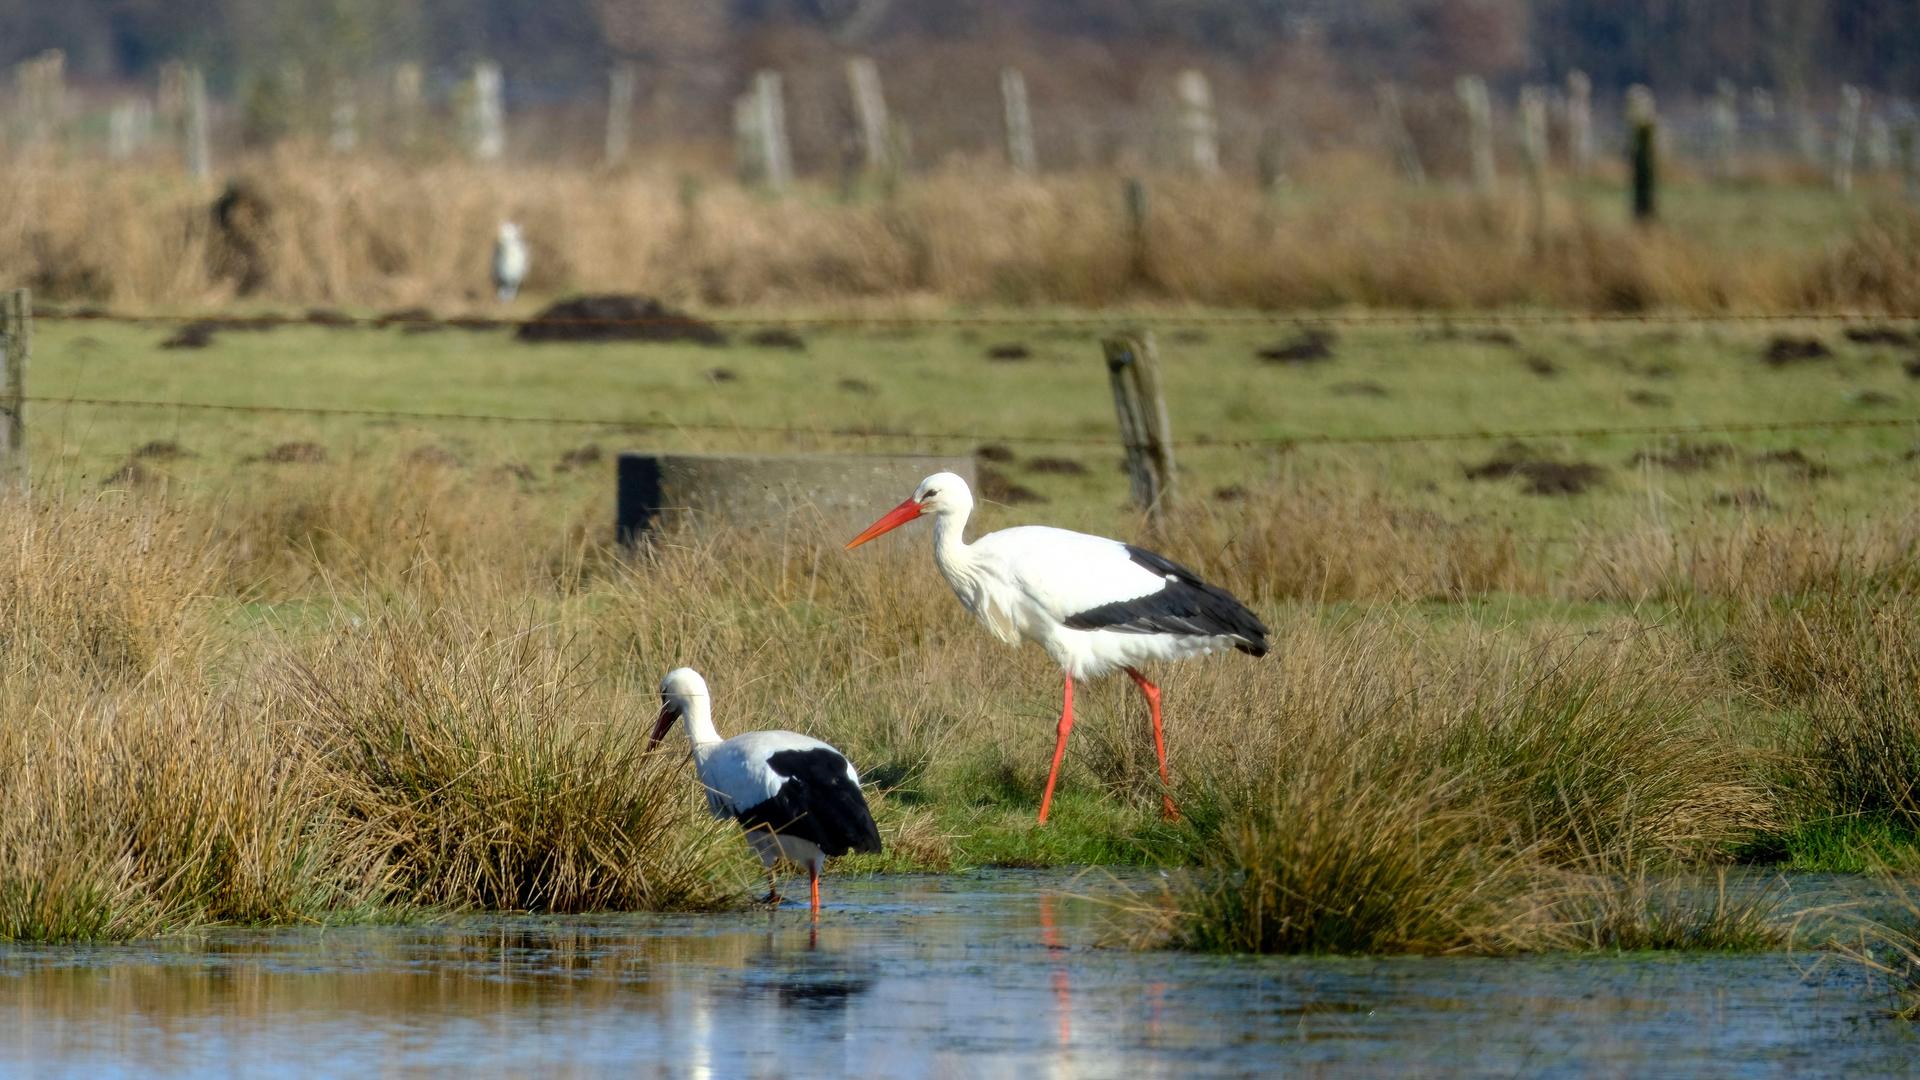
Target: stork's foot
773	899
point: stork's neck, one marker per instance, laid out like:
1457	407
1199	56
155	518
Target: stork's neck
950	549
699	721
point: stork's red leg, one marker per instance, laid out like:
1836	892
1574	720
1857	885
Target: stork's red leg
1059	748
1152	694
813	872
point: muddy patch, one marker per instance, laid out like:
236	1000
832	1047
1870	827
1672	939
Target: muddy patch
999	453
1786	351
160	450
412	320
1008	351
1538	475
330	318
1871	399
1366	388
292	453
1310	347
777	337
433	457
1744	499
1879	335
721	375
130	475
1649	399
856	386
1001	488
1058	466
1230	493
578	457
616	317
1685	457
1540	365
1794	461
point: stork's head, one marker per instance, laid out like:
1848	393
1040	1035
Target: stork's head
683	695
941	494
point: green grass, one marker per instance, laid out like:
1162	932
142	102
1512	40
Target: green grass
1847	845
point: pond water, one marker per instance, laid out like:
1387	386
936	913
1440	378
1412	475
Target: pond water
984	974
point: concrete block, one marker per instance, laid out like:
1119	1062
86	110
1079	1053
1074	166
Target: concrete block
825	496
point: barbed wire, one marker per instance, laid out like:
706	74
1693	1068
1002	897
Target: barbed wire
1092	321
1281	442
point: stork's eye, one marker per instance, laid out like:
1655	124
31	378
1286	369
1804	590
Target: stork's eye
928	495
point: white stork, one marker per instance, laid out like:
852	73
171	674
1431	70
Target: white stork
795	796
509	261
1094	604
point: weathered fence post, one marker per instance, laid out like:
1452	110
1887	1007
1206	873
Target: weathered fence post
621	82
199	149
1533	143
770	126
1199	127
1472	91
870	113
129	126
1726	130
1643	139
1140	263
1401	140
487	120
409	95
16	347
1133	370
345	136
1851	102
1579	122
40	89
1879	148
1019	118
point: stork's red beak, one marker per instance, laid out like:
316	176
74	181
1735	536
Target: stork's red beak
661	724
894	518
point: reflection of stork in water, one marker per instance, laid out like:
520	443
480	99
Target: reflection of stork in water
1062	988
797	797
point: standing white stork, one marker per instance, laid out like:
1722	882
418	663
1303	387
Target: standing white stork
1094	604
794	795
509	261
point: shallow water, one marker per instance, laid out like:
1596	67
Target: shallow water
986	974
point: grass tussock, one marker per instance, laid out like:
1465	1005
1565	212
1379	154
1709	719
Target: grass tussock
371	231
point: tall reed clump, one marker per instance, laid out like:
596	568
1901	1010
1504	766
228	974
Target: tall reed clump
1446	804
465	742
137	793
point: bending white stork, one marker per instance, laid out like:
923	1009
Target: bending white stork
795	796
509	261
1094	604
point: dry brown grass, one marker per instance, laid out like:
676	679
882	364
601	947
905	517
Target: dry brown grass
368	231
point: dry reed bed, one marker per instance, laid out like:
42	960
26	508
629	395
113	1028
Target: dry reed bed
377	232
339	697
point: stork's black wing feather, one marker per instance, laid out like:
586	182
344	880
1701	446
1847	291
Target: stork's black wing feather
818	802
1187	605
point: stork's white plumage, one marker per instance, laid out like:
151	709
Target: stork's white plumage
1096	605
509	261
795	796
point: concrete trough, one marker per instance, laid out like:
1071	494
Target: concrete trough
825	496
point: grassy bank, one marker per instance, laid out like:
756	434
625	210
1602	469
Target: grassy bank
271	668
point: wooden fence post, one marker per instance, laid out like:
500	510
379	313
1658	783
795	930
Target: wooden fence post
1579	122
16	347
1533	142
1140	263
409	96
621	82
1401	140
1013	99
487	121
1726	130
1133	370
1199	127
770	126
870	112
199	151
1643	127
1851	102
1472	91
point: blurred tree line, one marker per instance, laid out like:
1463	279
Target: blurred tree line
556	46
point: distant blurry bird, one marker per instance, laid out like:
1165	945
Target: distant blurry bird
509	261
